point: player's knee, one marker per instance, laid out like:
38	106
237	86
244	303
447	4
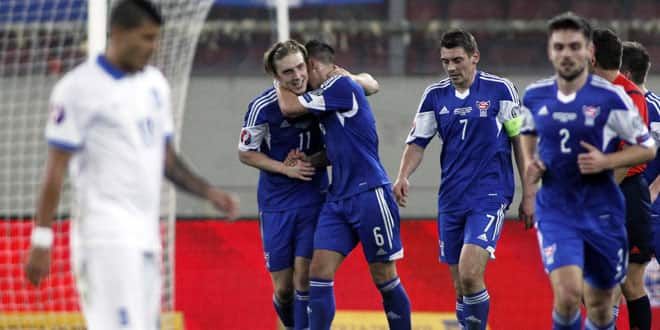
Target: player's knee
319	269
284	293
599	311
633	286
301	280
382	272
471	282
567	297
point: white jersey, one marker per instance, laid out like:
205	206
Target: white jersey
116	125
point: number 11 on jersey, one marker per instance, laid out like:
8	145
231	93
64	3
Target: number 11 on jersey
304	146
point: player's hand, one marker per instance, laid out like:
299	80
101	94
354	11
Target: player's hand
339	71
301	170
293	156
224	201
534	171
526	210
37	265
593	161
400	190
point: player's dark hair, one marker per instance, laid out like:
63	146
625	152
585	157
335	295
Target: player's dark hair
636	61
320	51
570	21
279	51
607	49
459	38
129	14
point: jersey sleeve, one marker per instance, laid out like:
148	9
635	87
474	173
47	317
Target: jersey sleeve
527	125
65	128
425	125
640	102
510	113
255	128
336	94
654	119
629	127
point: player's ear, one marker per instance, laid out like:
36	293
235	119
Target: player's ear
475	57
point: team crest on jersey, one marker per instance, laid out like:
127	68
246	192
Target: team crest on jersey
57	114
549	254
462	111
590	113
246	137
483	108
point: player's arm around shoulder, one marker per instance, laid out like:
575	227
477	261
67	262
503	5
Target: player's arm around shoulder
183	178
366	80
289	104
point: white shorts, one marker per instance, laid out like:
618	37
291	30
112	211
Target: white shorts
119	287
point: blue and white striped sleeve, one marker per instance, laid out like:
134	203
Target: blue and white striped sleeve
425	125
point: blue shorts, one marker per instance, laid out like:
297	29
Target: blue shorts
288	234
601	253
481	227
371	217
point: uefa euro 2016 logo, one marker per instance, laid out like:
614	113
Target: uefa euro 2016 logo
246	137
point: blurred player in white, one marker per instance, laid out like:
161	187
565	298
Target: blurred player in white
111	125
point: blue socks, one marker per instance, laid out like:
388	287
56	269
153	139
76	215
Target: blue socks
475	310
566	323
590	326
300	310
396	304
321	304
284	311
459	312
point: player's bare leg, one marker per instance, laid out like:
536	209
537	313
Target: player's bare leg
633	290
476	301
567	288
599	306
283	295
453	269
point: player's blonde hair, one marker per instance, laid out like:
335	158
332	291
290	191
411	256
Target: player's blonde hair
279	51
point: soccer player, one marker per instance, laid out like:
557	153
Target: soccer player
606	63
359	206
290	196
635	65
575	121
111	125
475	115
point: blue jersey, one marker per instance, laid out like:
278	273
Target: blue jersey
653	167
350	133
600	114
474	128
267	131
